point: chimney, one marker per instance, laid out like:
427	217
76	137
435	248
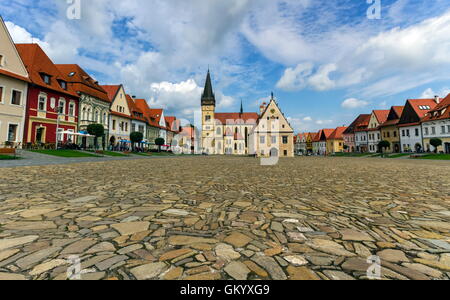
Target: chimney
262	108
437	99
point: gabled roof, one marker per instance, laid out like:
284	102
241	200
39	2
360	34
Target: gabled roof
83	82
394	116
145	108
111	91
173	124
415	110
440	112
237	118
136	113
381	115
38	63
361	119
317	136
12	73
326	133
338	133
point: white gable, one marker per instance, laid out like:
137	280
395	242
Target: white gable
10	58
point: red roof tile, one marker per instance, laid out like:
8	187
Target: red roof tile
440	112
338	133
38	63
237	118
111	91
83	82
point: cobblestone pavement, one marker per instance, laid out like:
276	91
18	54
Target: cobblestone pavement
226	218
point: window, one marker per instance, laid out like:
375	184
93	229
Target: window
426	131
96	116
12	133
72	109
285	139
126	126
262	140
63	85
408	133
114	124
46	78
448	128
403	133
105	121
417	132
42	106
442	129
395	133
62	107
285	153
207	118
1	60
218	131
60	135
1	94
83	115
433	130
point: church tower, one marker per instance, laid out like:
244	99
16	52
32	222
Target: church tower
208	116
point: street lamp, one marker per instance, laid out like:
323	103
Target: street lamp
58	113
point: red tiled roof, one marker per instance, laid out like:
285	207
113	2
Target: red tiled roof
338	133
247	118
327	133
134	109
417	103
361	120
436	113
381	115
316	138
38	63
398	110
111	91
83	82
120	115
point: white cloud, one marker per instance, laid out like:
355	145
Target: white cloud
295	78
429	93
353	103
307	119
183	97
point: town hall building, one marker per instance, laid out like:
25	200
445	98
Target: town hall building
244	133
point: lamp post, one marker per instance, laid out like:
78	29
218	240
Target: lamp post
58	113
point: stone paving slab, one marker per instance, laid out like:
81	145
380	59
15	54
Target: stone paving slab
209	218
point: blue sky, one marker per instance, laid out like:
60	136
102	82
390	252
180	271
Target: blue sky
325	60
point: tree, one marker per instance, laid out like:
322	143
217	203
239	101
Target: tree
159	142
383	145
97	130
436	143
136	137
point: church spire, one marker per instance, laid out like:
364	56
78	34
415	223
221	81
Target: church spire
242	108
208	97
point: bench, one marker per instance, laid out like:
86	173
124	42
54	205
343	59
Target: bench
7	151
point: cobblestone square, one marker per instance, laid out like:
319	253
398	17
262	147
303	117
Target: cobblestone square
215	218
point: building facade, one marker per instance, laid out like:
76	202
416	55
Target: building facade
264	134
335	142
13	91
436	124
410	129
120	118
390	131
349	135
377	118
94	103
52	104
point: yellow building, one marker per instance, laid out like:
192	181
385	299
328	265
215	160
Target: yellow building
335	143
13	91
389	130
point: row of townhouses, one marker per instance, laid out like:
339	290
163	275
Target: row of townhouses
45	103
408	129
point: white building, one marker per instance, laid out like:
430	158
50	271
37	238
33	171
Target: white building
411	135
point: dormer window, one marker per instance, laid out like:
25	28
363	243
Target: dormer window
46	78
63	84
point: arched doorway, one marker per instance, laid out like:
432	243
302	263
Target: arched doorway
112	141
397	148
274	152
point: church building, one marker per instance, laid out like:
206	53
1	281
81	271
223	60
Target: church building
243	133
